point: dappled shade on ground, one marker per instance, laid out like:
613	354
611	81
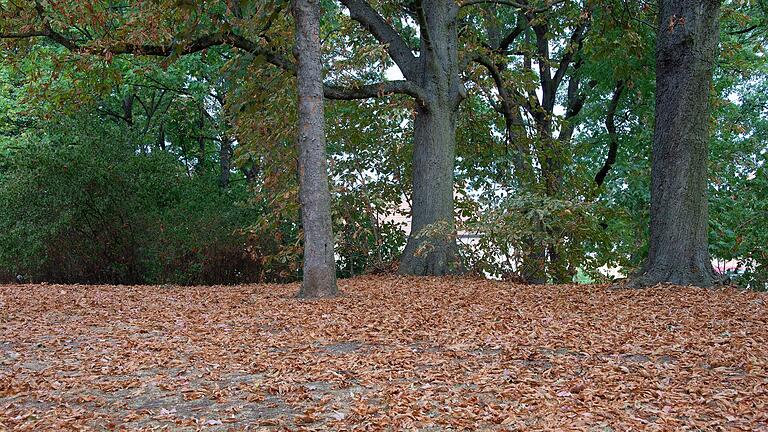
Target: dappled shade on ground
403	353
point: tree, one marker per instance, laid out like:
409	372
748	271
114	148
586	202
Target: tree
433	78
687	39
540	67
550	141
319	261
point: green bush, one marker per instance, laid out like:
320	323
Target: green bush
531	235
98	213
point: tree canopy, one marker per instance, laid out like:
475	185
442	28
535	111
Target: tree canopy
151	142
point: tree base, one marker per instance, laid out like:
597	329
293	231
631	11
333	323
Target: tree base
440	261
313	294
702	276
319	282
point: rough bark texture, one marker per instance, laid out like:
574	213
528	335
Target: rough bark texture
431	248
319	261
687	46
434	151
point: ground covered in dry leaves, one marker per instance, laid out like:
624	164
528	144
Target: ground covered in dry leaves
391	354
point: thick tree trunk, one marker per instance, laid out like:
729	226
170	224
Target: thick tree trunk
319	261
431	248
687	46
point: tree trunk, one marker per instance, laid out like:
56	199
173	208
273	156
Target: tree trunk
201	141
534	265
319	261
431	248
161	137
686	49
225	161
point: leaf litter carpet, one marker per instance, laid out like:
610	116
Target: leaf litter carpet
390	354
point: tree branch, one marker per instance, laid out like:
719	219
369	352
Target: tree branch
202	43
574	45
511	36
237	41
512	120
744	30
399	51
196	45
24	35
574	102
513	3
495	74
376	90
610	125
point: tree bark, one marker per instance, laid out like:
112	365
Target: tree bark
431	247
687	41
161	137
319	261
225	161
201	156
610	126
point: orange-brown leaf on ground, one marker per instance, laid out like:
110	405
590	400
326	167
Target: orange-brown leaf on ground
392	353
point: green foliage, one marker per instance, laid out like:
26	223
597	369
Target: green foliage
370	170
739	185
94	211
513	231
111	165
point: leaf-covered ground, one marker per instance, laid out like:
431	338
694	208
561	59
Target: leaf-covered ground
392	353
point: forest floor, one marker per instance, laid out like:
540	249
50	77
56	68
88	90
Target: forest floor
392	353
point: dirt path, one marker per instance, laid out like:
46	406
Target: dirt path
392	354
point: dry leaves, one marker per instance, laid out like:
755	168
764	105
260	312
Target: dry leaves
391	354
